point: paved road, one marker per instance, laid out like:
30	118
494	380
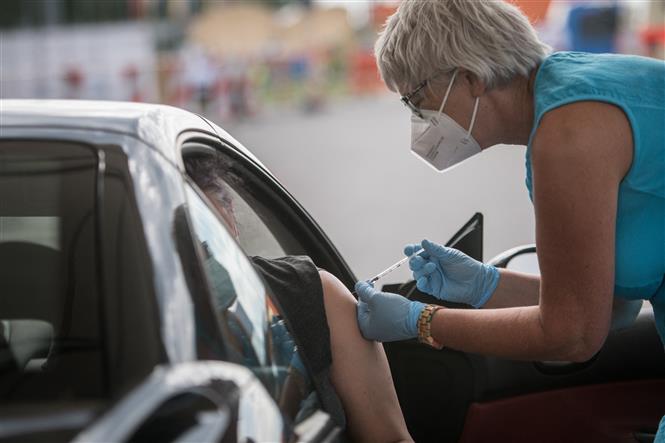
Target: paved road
351	167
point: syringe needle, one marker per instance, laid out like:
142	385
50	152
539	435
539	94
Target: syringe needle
393	267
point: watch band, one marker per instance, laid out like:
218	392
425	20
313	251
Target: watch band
425	325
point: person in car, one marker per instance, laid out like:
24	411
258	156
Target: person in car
474	74
321	314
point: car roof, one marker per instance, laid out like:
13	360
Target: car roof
155	125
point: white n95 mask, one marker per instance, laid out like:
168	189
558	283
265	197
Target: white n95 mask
439	141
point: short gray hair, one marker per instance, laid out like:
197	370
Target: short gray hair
490	38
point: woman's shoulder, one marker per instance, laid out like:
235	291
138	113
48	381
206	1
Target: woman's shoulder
567	73
587	60
626	81
572	74
556	59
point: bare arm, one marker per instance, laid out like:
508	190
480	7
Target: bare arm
360	371
515	289
580	154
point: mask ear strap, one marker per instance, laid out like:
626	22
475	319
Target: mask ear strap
473	116
450	86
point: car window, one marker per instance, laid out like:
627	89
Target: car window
253	234
40	230
251	231
66	332
251	321
237	292
134	342
270	222
48	278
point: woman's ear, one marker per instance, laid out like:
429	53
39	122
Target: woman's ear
478	86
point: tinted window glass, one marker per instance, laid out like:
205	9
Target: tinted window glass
134	343
41	230
253	234
238	294
252	321
239	214
50	341
66	332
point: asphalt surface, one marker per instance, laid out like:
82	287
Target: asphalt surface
351	168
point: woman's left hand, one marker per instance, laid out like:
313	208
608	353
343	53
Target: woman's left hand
383	316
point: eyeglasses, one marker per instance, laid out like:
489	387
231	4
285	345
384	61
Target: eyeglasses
406	99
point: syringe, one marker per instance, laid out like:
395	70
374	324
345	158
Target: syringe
393	267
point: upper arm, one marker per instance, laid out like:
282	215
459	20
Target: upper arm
580	153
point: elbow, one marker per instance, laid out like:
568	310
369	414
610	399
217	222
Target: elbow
576	343
583	349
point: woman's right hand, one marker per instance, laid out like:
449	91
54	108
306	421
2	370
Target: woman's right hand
451	275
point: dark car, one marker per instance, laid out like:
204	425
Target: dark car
114	326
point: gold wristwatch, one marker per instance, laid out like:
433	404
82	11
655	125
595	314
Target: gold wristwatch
425	326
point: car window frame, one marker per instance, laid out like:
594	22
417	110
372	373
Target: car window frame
293	218
120	160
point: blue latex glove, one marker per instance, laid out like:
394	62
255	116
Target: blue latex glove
286	351
383	316
297	364
451	275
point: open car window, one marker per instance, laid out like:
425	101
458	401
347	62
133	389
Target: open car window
277	224
252	225
253	234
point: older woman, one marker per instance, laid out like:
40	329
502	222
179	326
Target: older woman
474	74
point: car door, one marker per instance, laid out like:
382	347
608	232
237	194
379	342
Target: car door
78	315
619	395
251	325
196	401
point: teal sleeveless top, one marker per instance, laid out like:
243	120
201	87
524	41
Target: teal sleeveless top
637	86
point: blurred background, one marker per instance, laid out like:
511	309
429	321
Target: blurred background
296	83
